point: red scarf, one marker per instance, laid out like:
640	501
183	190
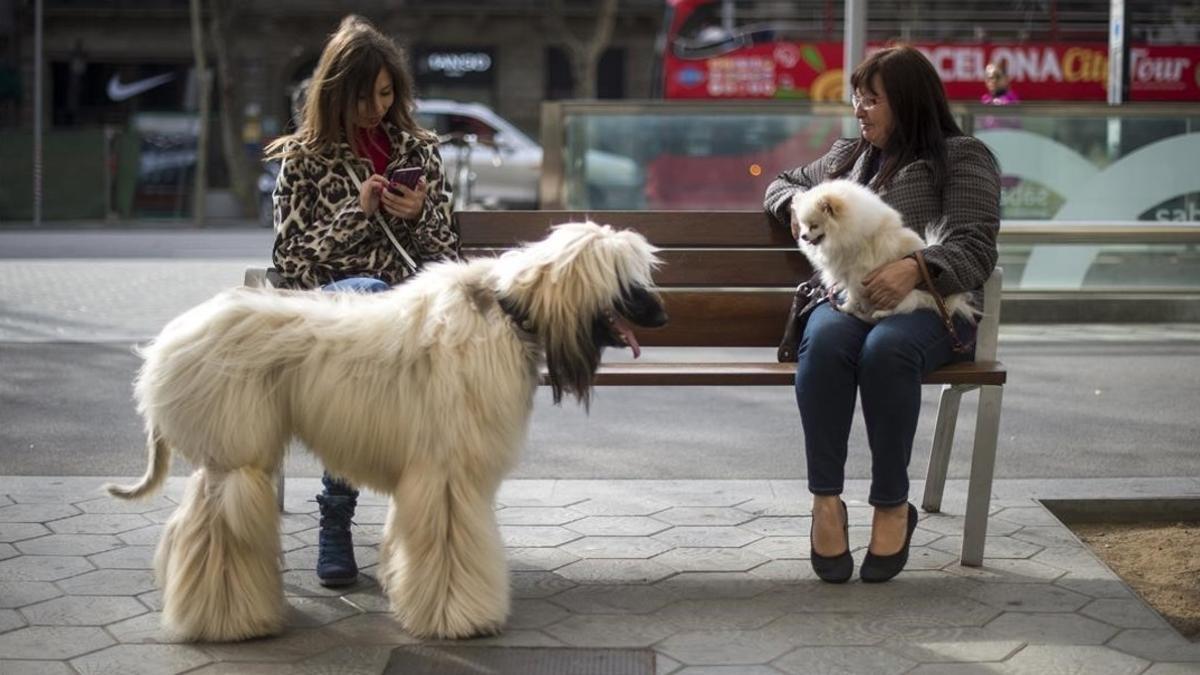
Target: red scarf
376	146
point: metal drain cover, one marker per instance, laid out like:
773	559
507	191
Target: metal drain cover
456	660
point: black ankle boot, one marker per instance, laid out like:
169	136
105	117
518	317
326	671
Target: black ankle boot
836	569
877	568
335	550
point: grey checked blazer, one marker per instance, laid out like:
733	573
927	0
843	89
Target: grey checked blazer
970	204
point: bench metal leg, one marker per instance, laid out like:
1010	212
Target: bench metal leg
939	454
279	487
983	462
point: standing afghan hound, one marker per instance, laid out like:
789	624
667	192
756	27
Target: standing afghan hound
422	393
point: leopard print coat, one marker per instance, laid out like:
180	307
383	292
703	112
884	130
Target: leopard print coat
322	234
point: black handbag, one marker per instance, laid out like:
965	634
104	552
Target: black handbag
809	295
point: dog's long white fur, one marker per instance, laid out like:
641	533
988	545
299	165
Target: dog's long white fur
858	232
422	393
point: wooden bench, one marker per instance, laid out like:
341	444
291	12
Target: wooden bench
728	281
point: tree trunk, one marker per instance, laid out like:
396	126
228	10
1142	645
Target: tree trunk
200	186
236	162
584	56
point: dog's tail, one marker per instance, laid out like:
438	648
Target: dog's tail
156	471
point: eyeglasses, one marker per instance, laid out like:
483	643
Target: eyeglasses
864	102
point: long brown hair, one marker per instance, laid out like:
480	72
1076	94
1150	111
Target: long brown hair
921	116
346	72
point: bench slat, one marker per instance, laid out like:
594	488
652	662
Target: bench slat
760	374
662	228
721	318
713	267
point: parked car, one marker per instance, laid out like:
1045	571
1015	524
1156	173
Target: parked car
505	164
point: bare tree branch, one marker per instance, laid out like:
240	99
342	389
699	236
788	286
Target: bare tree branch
583	55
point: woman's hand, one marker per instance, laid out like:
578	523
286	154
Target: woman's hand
368	193
887	285
404	202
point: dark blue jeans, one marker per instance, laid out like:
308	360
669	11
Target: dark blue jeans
841	356
335	486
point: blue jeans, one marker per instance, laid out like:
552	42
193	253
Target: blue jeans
840	356
336	486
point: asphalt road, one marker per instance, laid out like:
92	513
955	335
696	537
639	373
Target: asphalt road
1081	402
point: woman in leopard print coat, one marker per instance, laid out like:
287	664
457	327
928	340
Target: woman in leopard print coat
359	119
339	223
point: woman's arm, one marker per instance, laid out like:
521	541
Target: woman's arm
309	234
779	195
434	232
966	254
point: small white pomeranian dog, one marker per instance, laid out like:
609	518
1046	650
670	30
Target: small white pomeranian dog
847	231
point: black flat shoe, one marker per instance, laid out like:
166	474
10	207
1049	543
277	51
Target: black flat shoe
877	568
836	569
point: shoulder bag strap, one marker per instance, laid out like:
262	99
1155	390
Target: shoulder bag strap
958	346
379	219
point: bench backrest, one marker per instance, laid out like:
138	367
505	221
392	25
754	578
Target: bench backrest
728	280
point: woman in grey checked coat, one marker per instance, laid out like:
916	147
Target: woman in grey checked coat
912	153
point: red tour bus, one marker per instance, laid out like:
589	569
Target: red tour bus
759	56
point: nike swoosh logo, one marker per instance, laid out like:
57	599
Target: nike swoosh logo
119	91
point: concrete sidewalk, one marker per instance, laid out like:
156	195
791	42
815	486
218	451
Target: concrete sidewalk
712	575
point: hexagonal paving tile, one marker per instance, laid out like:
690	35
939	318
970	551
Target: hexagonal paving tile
52	642
1162	644
823	629
36	667
720	614
776	507
1029	597
139	659
159	515
1028	515
142	629
1105	585
109	582
1049	536
527	515
944	523
21	593
1011	571
723	536
69	544
8	551
1074	559
597	630
993	547
702	585
703	515
288	646
36	513
779	526
618	526
125	558
42	567
785	571
543	558
529	613
13	532
143	536
1124	613
81	610
777	548
1057	629
356	659
613	599
725	646
957	644
316	612
926	558
10	619
710	559
110	505
519	536
98	523
611	506
615	547
538	584
873	660
1036	660
615	571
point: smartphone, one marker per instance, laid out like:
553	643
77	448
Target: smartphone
408	177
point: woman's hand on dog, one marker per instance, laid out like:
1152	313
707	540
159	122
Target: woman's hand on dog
887	285
404	202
